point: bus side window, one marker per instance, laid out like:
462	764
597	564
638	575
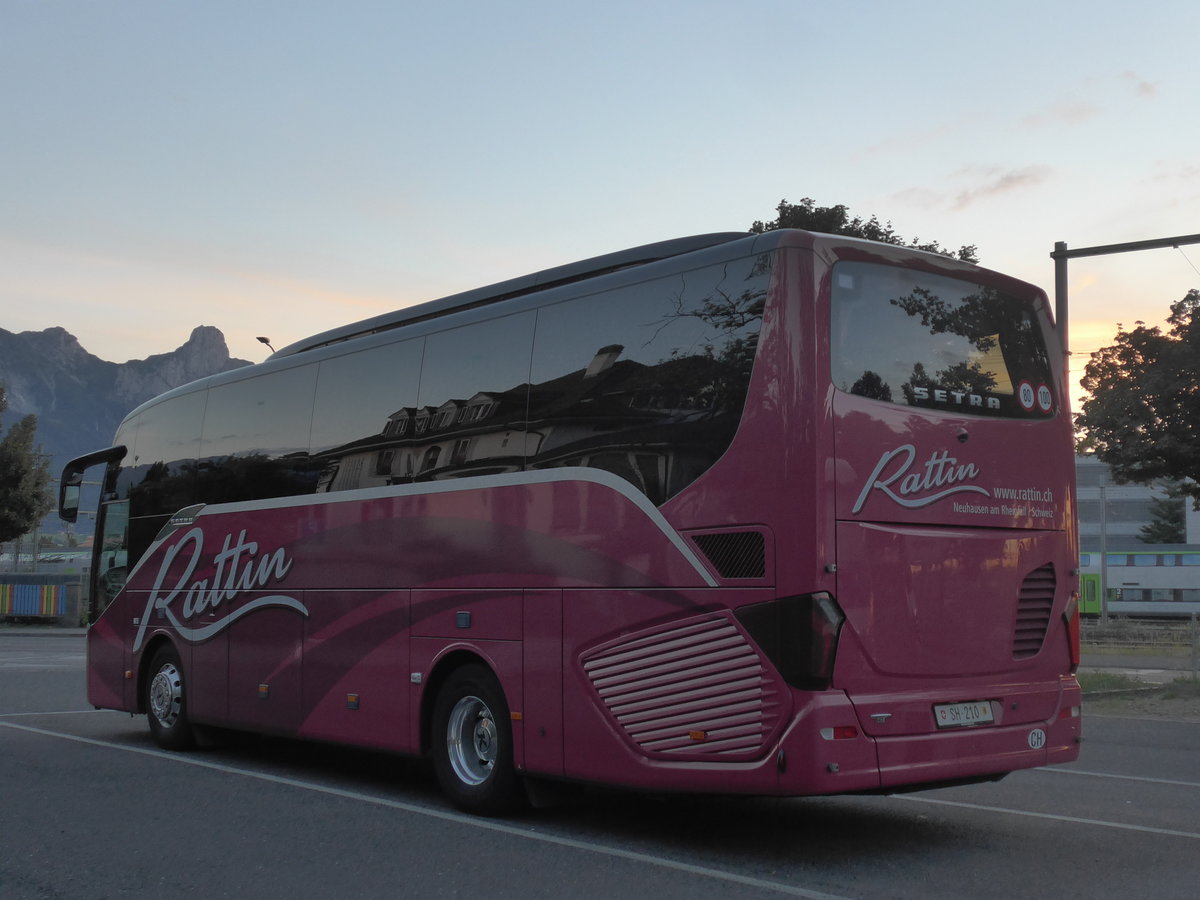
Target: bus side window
647	381
473	399
255	439
361	415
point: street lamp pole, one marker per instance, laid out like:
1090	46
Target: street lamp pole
1103	548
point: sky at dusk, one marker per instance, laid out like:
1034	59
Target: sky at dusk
281	168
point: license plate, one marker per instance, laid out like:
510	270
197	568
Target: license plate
963	715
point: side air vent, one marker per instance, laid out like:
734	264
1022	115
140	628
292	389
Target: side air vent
1033	612
698	690
734	554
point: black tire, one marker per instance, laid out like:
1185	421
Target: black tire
472	744
166	702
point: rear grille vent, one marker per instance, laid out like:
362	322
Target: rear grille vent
734	554
1033	611
692	691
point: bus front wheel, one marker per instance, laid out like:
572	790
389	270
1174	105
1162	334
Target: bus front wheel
166	702
472	744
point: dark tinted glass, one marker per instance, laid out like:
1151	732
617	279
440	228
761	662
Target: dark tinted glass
470	415
159	470
157	475
925	340
357	394
444	406
255	439
648	381
362	399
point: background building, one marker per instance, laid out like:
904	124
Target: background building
1127	508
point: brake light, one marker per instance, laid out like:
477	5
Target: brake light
1071	618
840	733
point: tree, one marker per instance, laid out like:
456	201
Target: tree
24	476
1168	521
1142	416
836	220
873	386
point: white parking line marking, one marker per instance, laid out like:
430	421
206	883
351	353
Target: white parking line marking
1076	820
458	818
1142	778
60	712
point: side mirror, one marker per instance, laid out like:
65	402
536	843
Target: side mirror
72	478
68	502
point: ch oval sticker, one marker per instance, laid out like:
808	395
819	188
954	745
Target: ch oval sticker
1037	739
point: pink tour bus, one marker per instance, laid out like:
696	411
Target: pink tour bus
775	514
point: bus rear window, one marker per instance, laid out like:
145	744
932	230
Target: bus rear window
925	340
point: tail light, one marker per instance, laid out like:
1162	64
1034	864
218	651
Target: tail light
799	635
1071	617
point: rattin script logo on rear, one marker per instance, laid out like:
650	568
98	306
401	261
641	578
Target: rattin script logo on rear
898	476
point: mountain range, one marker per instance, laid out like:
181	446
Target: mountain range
79	399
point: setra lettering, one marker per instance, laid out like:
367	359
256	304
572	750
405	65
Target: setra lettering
959	398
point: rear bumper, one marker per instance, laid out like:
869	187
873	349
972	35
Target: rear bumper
976	752
818	763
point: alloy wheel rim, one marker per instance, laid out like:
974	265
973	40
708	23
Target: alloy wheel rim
472	740
166	695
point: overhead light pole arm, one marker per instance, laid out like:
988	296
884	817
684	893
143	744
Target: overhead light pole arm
1061	254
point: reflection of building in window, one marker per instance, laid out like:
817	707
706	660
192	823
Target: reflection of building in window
656	425
446	415
656	399
478	407
398	422
383	463
603	360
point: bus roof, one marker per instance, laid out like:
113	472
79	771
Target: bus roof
515	287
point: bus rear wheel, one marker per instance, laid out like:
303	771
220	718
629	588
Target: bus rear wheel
166	702
472	744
